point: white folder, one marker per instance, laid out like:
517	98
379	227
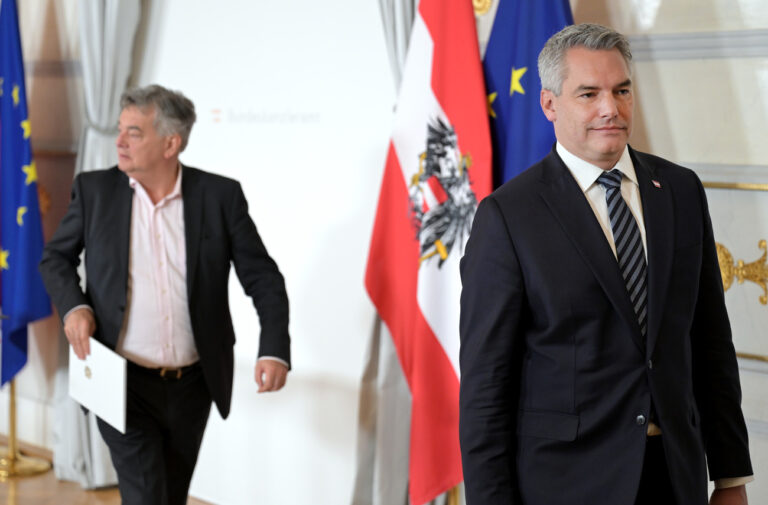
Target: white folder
98	383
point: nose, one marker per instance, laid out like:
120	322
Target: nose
120	140
609	108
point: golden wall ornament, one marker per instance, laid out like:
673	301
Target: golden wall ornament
481	6
756	271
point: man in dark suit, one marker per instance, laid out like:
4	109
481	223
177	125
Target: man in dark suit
159	238
596	359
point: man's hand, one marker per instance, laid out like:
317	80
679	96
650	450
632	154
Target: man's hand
270	375
79	326
736	495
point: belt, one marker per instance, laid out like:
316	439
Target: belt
167	373
653	430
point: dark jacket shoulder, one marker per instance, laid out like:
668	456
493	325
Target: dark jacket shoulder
207	178
656	165
101	177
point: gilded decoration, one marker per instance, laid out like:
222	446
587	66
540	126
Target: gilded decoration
481	6
756	271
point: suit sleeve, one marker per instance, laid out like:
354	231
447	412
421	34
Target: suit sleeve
492	301
261	279
61	256
715	369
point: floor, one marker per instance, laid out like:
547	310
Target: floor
45	489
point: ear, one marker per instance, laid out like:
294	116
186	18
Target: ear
172	145
547	100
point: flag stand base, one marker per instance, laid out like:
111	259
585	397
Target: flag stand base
18	465
13	463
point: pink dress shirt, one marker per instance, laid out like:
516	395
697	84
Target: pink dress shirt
157	330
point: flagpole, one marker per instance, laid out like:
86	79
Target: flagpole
13	463
453	496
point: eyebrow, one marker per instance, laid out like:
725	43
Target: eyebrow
130	127
585	87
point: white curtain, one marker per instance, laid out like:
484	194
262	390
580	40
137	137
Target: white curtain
384	422
384	418
107	32
397	17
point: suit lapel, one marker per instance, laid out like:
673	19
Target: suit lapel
569	205
123	203
192	194
658	214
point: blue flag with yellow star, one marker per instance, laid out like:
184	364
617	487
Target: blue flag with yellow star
520	132
22	296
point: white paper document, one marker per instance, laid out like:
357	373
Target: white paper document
98	383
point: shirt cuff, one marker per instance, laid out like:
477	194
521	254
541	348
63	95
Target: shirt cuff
274	358
76	307
733	481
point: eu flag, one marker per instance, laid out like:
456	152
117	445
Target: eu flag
22	296
520	132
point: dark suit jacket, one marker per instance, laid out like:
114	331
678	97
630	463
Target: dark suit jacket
218	232
554	370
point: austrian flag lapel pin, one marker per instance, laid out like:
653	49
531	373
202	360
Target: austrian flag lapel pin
656	183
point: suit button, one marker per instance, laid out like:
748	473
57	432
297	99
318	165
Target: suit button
640	420
650	364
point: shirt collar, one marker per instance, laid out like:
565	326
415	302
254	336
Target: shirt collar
175	192
586	173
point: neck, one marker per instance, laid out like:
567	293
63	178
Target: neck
159	183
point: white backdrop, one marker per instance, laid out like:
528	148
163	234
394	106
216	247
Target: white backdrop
294	99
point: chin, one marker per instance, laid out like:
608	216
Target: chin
612	148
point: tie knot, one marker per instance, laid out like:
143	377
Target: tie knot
610	180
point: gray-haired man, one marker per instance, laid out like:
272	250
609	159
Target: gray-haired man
596	359
159	238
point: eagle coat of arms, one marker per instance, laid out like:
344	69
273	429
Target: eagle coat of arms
442	203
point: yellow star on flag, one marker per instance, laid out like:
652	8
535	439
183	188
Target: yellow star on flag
491	99
27	128
515	86
20	215
31	171
4	259
15	94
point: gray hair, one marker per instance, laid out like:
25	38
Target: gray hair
174	112
552	68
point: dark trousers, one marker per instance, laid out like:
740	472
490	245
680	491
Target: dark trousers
165	421
655	485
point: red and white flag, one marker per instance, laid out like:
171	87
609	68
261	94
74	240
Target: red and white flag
438	168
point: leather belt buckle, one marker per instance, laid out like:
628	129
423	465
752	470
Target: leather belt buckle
169	371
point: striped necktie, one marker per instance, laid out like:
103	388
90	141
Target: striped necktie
629	245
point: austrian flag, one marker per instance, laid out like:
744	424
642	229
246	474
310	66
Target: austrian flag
438	168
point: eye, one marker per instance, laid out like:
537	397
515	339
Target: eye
588	94
624	92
